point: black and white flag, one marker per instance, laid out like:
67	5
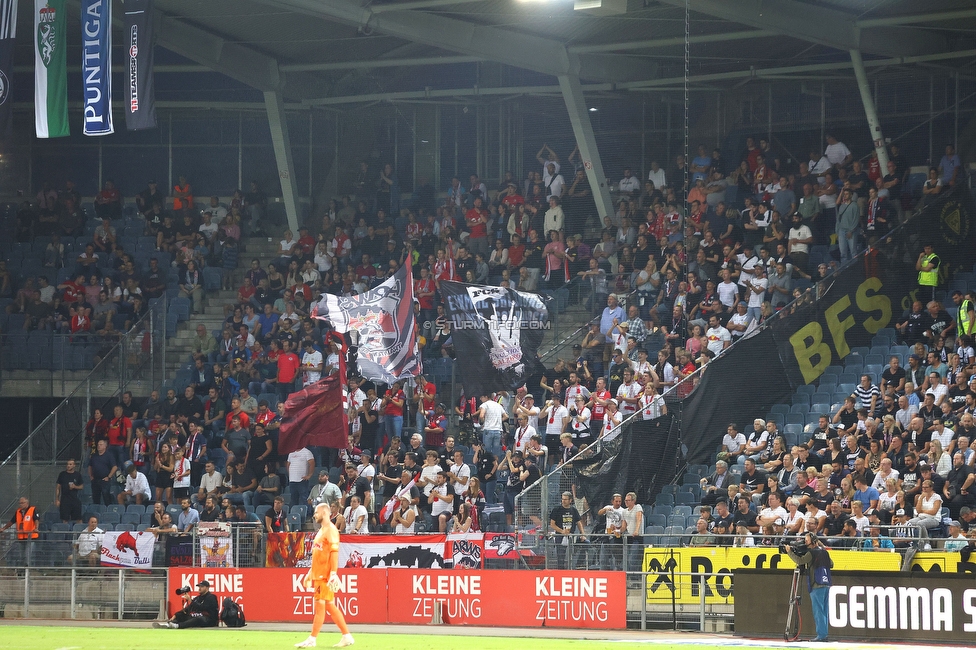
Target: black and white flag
496	333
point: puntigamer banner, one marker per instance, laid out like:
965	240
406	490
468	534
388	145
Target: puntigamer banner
96	65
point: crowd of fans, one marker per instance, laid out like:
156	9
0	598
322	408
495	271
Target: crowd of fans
692	260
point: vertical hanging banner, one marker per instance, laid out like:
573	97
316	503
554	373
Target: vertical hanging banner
50	69
96	65
8	35
140	92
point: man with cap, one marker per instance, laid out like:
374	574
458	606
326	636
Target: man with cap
957	541
198	611
324	492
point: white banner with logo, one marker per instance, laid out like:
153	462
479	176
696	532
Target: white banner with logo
128	549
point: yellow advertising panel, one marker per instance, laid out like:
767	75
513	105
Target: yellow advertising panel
941	562
663	563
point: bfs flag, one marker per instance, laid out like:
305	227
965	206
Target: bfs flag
385	320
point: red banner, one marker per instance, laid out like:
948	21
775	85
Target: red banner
510	598
580	599
278	594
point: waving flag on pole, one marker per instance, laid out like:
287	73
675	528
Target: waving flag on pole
314	415
50	69
8	37
385	320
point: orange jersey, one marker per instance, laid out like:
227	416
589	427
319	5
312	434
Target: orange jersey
325	552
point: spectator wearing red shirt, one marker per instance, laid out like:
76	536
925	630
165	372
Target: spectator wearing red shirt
288	365
476	220
73	290
306	246
108	203
119	436
444	268
393	402
424	393
237	412
80	320
424	288
516	253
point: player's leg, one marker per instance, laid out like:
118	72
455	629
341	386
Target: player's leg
318	619
340	622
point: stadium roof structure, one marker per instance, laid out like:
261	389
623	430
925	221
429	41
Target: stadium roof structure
345	51
322	53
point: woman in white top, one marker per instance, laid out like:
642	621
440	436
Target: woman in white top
938	458
579	419
612	418
323	258
794	518
357	519
888	501
927	506
181	476
462	520
404	517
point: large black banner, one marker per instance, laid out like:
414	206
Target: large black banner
496	333
638	456
846	311
8	34
138	41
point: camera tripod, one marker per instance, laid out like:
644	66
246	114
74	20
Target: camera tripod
793	618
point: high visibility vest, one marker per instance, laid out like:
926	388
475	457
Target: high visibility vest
27	523
929	278
965	321
178	203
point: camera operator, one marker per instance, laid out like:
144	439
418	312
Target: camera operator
198	611
810	554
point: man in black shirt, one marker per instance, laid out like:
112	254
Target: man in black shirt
913	325
938	482
198	611
753	481
392	475
487	466
722	524
893	377
958	488
834	522
821	436
743	515
67	492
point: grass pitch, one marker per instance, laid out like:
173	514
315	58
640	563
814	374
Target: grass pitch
25	637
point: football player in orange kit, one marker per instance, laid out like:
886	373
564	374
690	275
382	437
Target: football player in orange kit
322	576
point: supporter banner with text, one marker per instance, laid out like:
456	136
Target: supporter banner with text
385	551
128	549
663	585
8	40
138	44
465	550
850	307
96	66
278	595
216	544
496	334
50	69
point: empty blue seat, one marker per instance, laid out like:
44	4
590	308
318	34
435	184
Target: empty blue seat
780	408
662	509
819	409
800	408
655	520
806	389
664	500
683	510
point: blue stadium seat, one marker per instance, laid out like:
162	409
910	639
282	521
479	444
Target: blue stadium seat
294	522
806	389
270	398
820	408
135	509
874	359
685	499
800	408
655	520
213	278
796	418
780	408
661	509
664	500
683	510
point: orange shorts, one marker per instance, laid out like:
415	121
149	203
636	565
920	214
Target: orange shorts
322	591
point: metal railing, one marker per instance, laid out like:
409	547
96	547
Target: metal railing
83	593
135	363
